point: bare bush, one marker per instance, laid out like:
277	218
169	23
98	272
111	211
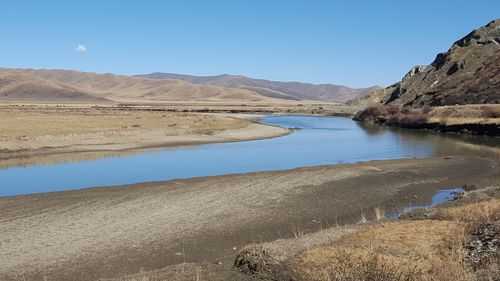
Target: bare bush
426	109
371	113
412	119
392	109
490	112
394	115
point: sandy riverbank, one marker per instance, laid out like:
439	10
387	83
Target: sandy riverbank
35	134
110	232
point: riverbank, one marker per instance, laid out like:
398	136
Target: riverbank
455	241
460	119
34	134
115	231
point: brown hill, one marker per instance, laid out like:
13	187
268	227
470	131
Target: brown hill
16	86
468	73
66	85
274	89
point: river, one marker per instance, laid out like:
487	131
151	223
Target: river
314	141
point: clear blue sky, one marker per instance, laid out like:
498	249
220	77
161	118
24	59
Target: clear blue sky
356	43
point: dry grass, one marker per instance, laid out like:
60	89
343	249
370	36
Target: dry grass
25	124
394	251
466	114
394	115
444	115
29	131
407	250
485	211
367	265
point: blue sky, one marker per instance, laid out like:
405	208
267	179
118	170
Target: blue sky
355	43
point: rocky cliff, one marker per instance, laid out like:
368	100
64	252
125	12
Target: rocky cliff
468	73
458	92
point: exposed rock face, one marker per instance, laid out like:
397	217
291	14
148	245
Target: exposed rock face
484	244
469	73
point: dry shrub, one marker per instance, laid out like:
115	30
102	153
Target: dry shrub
490	112
475	213
371	113
489	272
427	250
448	112
395	115
412	119
418	250
481	221
392	109
359	264
405	110
426	109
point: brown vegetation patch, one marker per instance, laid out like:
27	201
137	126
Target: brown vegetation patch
419	250
476	119
459	243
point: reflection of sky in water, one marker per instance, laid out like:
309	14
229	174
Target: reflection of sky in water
319	141
442	196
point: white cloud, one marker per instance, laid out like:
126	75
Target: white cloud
81	48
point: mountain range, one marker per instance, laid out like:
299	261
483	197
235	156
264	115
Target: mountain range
274	89
43	85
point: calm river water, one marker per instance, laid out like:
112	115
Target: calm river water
317	141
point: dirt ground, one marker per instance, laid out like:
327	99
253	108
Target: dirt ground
112	232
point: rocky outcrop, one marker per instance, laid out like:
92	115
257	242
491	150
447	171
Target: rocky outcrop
483	245
465	81
468	73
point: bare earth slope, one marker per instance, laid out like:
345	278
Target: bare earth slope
275	89
63	85
19	86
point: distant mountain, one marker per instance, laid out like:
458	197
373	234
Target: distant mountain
21	86
42	85
468	73
274	89
73	86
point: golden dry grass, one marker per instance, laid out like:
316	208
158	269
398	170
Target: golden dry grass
465	114
395	251
484	211
407	250
24	124
35	134
459	115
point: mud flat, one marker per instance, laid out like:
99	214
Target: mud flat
112	232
